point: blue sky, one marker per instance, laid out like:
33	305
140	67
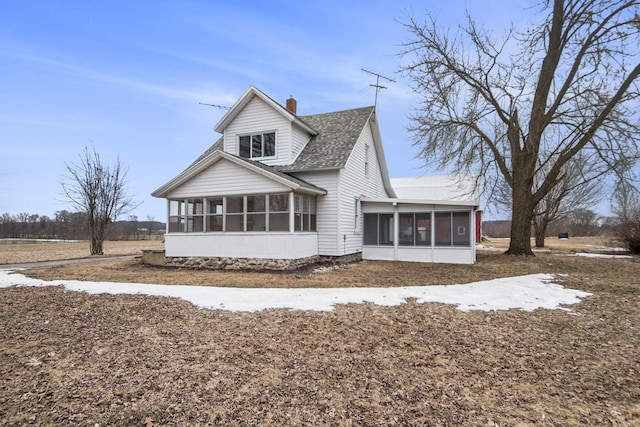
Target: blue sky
127	77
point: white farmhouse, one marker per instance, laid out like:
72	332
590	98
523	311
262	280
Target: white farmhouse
279	190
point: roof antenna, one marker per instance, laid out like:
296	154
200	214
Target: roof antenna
377	85
222	107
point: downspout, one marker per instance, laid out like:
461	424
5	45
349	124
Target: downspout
396	230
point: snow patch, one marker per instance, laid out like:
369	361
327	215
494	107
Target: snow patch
589	255
527	293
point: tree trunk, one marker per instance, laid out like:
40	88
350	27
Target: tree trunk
540	230
521	217
96	246
97	233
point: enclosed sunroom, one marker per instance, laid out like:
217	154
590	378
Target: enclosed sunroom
411	230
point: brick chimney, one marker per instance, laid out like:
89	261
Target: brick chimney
292	105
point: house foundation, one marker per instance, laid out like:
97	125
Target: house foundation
158	258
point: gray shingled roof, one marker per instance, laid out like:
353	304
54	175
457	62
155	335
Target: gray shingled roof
218	145
337	135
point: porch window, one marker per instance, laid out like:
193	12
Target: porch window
305	212
177	216
195	215
407	229
443	228
461	229
279	212
234	215
415	229
257	145
256	212
378	229
452	228
215	211
423	229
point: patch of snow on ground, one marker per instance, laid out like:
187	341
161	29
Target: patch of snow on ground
527	293
588	255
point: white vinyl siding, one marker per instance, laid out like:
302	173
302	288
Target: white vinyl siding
242	245
327	210
355	184
225	177
258	117
299	139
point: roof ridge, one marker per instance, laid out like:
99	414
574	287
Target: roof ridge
339	111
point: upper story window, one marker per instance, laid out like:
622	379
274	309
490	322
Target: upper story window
258	145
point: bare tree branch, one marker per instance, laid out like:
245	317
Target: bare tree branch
519	108
99	190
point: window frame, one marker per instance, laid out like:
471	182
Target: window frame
195	215
384	226
266	140
439	229
305	213
243	213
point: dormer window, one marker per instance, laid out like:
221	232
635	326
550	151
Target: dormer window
258	145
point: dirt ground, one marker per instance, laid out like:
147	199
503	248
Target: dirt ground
21	251
70	358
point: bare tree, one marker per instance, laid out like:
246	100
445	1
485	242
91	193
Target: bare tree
100	191
626	207
521	106
584	222
150	221
579	187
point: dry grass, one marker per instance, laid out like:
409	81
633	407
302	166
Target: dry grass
593	244
17	251
362	274
69	358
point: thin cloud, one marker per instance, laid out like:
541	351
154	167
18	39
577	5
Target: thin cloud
100	76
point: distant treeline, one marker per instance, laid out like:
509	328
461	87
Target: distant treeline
581	222
67	225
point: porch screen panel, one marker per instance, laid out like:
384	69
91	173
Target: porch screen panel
385	229
279	212
176	216
195	215
461	228
443	228
406	228
423	229
370	229
214	214
256	213
305	212
235	214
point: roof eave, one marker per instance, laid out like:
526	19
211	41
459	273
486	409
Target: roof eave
377	140
301	170
467	203
212	158
248	96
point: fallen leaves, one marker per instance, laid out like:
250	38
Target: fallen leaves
69	358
